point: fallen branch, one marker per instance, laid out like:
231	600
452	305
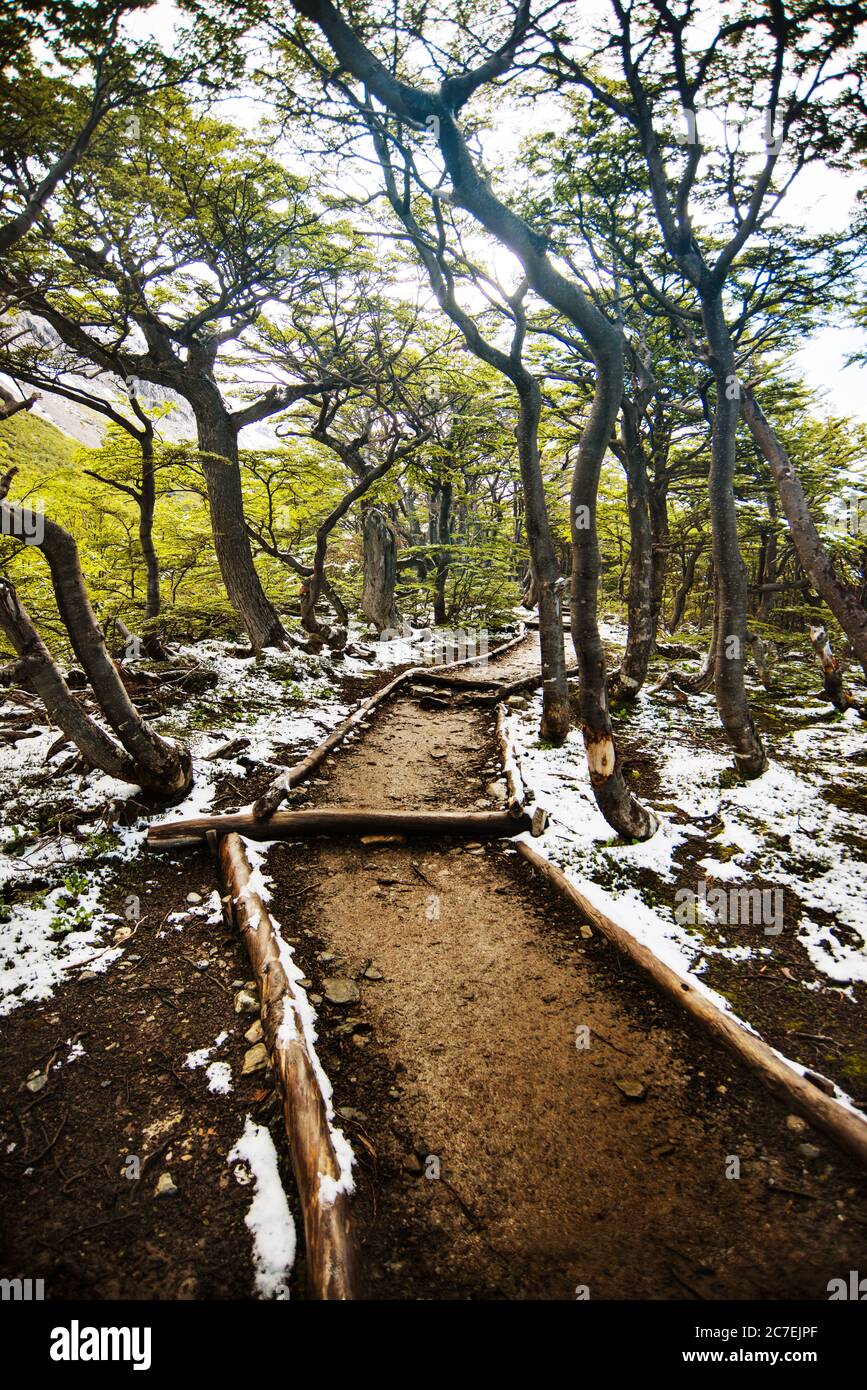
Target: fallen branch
331	1259
787	1085
343	820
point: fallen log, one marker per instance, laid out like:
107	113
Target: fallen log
518	794
527	683
785	1084
328	1236
337	820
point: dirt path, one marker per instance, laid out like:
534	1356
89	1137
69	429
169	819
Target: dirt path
542	1170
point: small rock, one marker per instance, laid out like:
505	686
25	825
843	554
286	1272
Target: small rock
585	932
122	934
810	1151
373	972
36	1080
413	1164
340	990
421	1149
255	1059
315	998
347	1112
246	1002
496	790
795	1124
632	1090
383	839
165	1186
517	702
473	844
194	899
254	1032
326	956
88	975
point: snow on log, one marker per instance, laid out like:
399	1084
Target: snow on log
321	1181
846	1128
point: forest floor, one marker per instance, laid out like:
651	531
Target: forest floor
495	1158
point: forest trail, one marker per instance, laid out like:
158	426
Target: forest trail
557	1168
498	1158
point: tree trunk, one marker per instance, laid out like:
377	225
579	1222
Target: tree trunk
38	665
661	546
842	600
547	581
832	670
616	802
147	506
218	438
161	765
377	596
443	528
729	567
685	588
640	631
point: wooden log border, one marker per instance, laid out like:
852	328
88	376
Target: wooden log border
846	1128
328	1235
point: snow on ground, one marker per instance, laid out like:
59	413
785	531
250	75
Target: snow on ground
269	1218
52	917
782	829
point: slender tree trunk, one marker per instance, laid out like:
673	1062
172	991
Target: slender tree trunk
218	437
147	506
640	632
842	600
547	582
703	679
685	587
661	547
161	765
443	526
729	567
614	798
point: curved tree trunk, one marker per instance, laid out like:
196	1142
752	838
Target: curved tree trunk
41	672
218	440
729	567
380	571
163	766
685	587
614	798
703	679
842	600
